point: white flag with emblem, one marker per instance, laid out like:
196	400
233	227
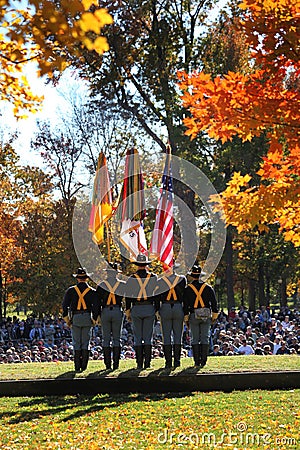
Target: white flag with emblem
133	237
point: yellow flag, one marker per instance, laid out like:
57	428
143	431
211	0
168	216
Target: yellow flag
101	210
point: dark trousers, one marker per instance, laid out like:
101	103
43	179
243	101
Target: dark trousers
81	331
200	330
111	323
171	322
143	317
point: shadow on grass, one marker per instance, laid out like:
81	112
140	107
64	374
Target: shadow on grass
75	406
70	375
99	373
160	372
190	371
134	372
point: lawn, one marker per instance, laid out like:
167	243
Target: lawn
238	420
215	364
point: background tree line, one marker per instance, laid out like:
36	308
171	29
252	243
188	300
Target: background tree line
134	100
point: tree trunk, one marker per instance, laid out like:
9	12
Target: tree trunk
229	269
268	287
1	294
189	243
283	293
261	285
251	294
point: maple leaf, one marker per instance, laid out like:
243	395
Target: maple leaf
44	32
245	105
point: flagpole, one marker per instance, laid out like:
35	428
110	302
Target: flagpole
162	235
108	242
169	158
138	239
169	168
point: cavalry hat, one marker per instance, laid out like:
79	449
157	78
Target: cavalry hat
142	260
113	267
81	273
196	271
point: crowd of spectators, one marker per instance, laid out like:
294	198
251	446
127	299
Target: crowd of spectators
264	332
240	332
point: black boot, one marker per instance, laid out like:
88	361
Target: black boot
203	354
147	353
177	355
168	356
85	353
139	356
107	357
77	360
116	357
196	354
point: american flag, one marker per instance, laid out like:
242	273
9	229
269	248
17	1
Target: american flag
162	235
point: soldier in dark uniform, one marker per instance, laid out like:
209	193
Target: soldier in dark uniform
199	295
171	290
111	292
81	309
141	306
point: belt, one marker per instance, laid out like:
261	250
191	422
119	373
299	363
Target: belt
172	304
143	303
81	312
112	306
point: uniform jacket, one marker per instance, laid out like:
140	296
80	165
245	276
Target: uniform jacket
179	288
132	290
208	297
91	299
104	293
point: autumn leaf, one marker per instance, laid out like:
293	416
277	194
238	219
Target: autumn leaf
247	105
44	32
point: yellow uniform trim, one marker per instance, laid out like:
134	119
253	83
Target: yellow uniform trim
81	301
142	292
172	292
198	295
112	289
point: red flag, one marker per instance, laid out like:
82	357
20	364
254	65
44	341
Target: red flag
132	206
162	235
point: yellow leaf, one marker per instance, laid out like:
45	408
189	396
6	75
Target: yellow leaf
88	22
88	43
101	45
103	16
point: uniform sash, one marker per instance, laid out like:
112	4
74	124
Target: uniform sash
143	285
112	289
198	295
172	292
81	301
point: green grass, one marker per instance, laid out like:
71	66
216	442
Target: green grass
237	420
96	368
